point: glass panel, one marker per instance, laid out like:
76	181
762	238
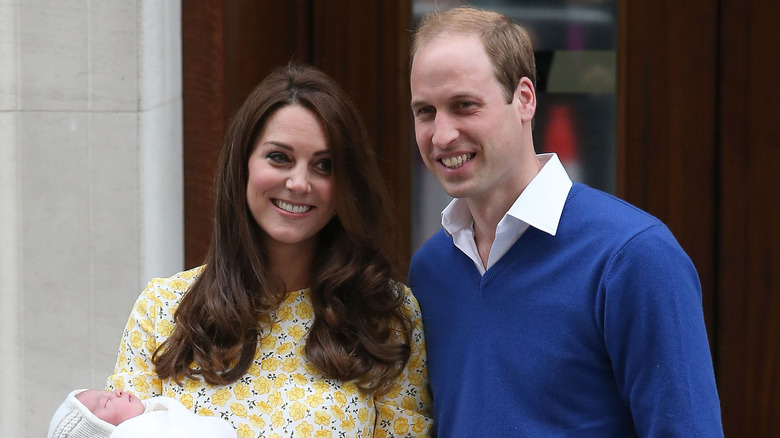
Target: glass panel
576	62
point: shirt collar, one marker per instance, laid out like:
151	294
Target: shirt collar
540	205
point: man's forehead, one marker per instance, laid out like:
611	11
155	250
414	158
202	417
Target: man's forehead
444	41
452	83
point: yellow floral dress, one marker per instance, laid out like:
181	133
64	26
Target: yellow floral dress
282	394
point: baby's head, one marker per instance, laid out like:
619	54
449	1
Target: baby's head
90	413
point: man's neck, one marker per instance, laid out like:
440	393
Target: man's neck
488	211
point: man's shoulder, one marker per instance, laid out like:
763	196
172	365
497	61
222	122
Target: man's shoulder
434	246
601	219
431	254
598	208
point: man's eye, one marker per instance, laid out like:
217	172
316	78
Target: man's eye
423	111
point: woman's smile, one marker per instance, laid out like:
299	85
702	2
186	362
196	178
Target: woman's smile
291	207
290	187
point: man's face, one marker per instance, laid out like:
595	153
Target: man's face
467	133
112	407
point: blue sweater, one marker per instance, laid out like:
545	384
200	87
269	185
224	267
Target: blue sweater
595	332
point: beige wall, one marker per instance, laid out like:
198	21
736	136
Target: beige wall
90	188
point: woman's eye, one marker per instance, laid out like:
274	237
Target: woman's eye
324	166
277	157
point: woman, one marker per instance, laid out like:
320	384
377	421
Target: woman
296	324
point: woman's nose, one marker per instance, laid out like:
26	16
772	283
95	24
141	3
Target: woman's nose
299	182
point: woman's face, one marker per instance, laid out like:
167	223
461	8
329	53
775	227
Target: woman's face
290	187
112	407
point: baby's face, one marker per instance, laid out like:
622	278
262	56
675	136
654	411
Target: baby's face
112	407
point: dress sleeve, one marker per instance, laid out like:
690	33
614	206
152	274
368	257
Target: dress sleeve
406	410
134	370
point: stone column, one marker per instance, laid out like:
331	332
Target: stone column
91	190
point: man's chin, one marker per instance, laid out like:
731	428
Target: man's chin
455	190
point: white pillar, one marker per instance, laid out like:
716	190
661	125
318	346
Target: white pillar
10	265
91	189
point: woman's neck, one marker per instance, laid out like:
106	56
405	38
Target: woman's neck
290	265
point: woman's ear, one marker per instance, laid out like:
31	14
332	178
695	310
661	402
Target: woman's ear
525	98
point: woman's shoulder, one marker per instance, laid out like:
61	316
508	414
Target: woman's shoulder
177	284
400	288
411	307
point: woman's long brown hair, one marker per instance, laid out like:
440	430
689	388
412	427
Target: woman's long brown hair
360	331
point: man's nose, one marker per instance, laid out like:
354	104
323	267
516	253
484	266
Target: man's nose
444	131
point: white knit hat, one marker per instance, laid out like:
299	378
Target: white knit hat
73	420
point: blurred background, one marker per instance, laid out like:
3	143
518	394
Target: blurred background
112	115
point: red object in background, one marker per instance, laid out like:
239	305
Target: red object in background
559	137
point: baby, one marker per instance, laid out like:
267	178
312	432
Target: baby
90	413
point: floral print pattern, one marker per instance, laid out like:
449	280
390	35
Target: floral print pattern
281	394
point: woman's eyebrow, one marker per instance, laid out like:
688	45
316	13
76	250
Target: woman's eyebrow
279	145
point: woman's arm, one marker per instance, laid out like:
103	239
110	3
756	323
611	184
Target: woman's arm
150	323
406	410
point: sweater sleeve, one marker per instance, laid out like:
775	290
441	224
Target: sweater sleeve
656	338
405	410
134	370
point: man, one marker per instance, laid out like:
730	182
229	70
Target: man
550	309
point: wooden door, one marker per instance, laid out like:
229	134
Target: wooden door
700	146
229	46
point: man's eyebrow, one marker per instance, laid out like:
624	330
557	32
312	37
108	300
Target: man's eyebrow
417	103
463	96
453	98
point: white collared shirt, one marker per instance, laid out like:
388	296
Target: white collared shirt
540	206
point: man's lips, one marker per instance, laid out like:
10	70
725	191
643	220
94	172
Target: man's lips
456	161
